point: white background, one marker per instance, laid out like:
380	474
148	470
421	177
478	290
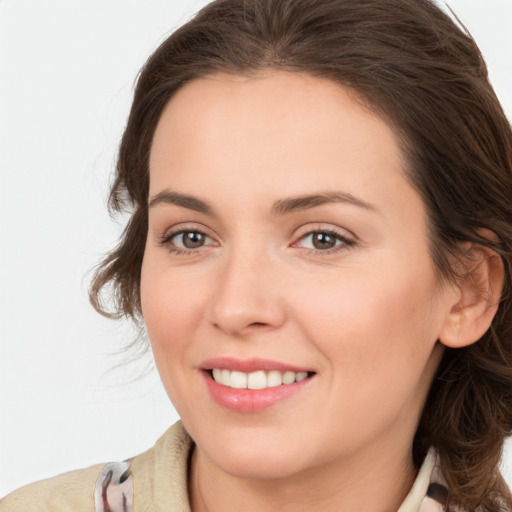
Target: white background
66	74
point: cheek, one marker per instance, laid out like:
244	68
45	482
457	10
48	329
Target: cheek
373	326
172	306
167	308
378	340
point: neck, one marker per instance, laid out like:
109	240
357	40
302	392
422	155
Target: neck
372	481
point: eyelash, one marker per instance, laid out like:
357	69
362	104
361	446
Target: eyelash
346	242
166	241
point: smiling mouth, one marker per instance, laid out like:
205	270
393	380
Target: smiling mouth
258	379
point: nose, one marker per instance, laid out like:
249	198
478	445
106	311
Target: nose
248	295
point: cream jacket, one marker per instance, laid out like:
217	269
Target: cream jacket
156	481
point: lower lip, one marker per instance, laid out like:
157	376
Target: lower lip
251	400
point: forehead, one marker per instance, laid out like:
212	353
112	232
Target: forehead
267	102
278	132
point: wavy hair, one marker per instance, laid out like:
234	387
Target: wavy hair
421	72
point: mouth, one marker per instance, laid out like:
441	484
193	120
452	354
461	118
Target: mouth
259	379
253	385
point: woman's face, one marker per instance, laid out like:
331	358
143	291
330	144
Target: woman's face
285	243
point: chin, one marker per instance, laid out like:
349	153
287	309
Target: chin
258	464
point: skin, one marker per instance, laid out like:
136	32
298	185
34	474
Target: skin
365	316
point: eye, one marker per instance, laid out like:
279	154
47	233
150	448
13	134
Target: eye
189	239
321	241
185	240
325	241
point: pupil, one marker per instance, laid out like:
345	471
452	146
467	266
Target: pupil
192	239
323	241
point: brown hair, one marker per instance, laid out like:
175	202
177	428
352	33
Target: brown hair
417	69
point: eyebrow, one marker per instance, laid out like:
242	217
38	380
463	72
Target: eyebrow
293	204
183	200
280	207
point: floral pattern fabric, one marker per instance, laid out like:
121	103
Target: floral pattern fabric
437	492
114	488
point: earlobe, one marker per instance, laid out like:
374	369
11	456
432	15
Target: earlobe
478	296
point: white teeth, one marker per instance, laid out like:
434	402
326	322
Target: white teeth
301	376
217	374
238	380
274	378
289	377
256	380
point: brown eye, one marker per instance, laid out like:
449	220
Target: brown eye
190	239
323	241
186	242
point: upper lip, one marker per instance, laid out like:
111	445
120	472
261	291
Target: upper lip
250	365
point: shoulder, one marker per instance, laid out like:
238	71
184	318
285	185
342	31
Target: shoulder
158	475
69	491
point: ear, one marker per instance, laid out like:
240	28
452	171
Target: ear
477	296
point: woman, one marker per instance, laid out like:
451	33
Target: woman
320	250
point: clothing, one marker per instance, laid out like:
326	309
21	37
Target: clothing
156	481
